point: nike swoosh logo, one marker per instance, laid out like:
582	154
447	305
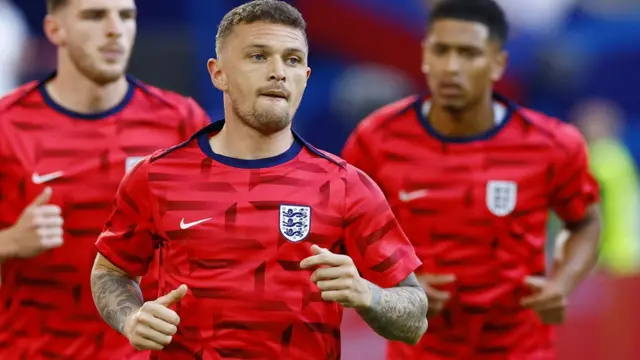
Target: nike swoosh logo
184	225
41	179
412	195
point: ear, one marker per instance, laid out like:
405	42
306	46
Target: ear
499	65
308	72
218	78
425	53
53	31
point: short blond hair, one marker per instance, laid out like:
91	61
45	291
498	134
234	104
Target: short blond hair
270	11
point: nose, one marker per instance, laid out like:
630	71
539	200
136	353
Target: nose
114	25
452	63
277	72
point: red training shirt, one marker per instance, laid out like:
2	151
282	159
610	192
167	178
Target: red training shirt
46	307
234	231
477	208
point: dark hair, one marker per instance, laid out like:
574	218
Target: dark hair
271	11
53	5
486	12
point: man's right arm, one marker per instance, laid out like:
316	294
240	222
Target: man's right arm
125	249
116	294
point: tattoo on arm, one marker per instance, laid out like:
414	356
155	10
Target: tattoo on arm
398	313
115	295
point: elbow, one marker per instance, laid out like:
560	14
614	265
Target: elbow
421	323
419	333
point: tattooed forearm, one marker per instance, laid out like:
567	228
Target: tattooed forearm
399	313
115	295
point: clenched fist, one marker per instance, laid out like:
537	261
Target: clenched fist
338	279
38	229
152	327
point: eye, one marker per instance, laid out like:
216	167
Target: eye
258	57
293	60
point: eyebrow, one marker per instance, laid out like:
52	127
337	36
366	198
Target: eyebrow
265	47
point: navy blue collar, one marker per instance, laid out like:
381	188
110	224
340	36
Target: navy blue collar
203	135
82	116
510	106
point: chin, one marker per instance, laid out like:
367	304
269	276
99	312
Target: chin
106	76
270	122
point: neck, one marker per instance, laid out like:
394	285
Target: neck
471	121
74	91
240	141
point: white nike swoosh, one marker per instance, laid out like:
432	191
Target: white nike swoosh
41	179
413	195
185	226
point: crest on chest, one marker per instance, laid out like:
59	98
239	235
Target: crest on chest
502	197
295	222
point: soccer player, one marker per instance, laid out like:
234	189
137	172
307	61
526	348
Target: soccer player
65	144
263	239
471	177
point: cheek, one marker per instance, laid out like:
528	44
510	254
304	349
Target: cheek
131	33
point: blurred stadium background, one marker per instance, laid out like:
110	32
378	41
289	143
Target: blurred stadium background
576	59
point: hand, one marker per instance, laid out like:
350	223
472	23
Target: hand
153	325
38	229
548	299
437	298
338	279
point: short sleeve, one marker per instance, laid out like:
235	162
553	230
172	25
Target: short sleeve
373	238
196	119
574	187
126	240
357	151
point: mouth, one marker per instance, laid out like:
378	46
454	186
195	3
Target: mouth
450	88
112	50
277	94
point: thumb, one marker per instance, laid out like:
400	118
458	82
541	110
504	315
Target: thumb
316	250
535	283
43	198
173	297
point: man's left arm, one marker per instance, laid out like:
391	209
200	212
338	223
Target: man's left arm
397	313
579	251
375	275
574	198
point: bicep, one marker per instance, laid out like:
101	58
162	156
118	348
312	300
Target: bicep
102	263
591	216
410	281
373	237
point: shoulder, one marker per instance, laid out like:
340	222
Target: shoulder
565	136
12	100
183	106
381	117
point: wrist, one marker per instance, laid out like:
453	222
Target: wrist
8	243
566	280
128	323
371	298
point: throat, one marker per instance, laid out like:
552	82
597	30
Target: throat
466	123
242	142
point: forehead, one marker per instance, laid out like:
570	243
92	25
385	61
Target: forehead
267	34
102	4
458	33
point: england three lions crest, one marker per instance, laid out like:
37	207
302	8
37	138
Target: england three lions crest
502	197
295	222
